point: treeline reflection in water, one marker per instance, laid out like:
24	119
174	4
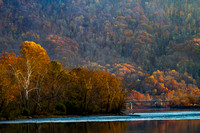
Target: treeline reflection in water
172	126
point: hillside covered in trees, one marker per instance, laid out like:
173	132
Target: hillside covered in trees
154	45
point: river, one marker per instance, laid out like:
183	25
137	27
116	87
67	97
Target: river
158	122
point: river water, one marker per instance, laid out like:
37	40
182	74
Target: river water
159	122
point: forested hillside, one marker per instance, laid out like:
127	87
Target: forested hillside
153	44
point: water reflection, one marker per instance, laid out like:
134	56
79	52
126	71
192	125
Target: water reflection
172	126
181	126
106	127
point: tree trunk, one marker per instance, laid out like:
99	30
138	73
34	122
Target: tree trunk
108	105
26	98
108	102
37	101
85	102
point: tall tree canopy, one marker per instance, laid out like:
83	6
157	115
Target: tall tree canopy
33	66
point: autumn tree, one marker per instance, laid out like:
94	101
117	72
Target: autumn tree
33	62
54	85
8	88
96	91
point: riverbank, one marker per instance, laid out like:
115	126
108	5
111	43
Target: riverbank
60	116
169	115
122	113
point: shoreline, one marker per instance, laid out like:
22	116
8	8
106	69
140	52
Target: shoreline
177	115
122	113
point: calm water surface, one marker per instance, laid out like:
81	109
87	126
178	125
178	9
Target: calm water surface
184	122
165	126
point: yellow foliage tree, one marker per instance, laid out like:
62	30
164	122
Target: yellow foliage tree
33	62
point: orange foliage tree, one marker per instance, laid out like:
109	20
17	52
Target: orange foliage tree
8	87
33	62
